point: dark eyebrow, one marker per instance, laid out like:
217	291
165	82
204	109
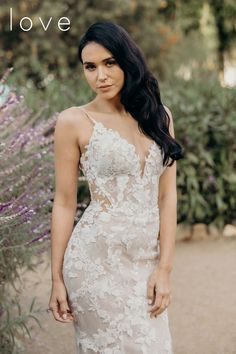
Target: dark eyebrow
90	62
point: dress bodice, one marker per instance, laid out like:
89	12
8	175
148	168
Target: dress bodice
114	171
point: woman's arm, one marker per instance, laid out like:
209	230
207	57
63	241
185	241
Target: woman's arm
66	158
168	211
158	289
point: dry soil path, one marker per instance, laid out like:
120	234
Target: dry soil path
202	314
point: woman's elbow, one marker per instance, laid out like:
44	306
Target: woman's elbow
66	200
170	197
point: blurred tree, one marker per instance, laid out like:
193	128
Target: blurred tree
224	11
36	53
225	14
157	26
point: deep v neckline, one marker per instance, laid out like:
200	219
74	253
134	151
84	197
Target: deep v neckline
142	169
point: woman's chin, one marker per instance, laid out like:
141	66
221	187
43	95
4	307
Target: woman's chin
107	94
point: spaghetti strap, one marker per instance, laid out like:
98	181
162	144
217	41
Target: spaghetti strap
88	115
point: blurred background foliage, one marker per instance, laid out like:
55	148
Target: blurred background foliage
26	196
25	203
172	33
205	124
189	46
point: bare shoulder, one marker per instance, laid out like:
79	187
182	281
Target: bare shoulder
72	120
171	128
70	117
169	112
74	125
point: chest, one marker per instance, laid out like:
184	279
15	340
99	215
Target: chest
108	154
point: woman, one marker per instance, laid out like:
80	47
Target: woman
111	273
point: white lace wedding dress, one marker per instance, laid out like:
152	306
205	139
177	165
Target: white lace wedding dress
114	248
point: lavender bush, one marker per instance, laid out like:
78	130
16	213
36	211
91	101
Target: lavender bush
26	193
26	196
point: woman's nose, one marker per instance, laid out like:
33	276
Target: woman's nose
101	74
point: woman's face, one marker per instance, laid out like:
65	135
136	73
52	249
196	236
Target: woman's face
101	69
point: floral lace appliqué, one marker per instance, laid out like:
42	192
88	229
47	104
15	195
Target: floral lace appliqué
114	248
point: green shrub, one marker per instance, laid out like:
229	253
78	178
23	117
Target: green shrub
205	124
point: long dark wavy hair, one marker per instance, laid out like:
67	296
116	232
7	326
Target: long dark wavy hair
140	94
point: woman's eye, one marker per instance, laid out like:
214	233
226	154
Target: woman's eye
89	67
108	63
111	62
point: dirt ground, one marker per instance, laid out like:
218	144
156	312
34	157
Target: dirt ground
202	315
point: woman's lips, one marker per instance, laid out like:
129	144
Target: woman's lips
104	87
